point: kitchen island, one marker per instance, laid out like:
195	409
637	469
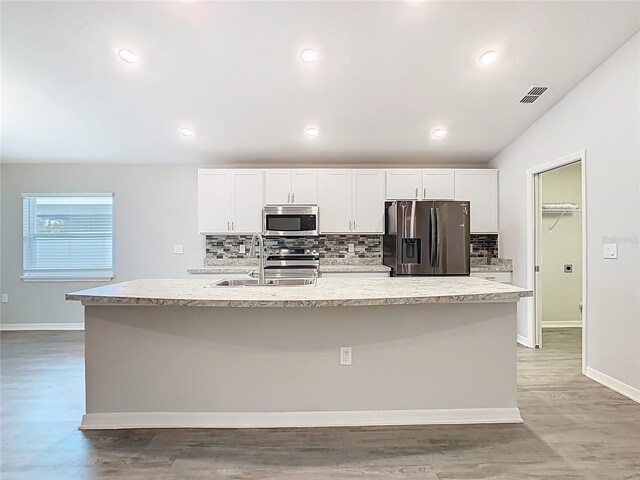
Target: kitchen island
180	353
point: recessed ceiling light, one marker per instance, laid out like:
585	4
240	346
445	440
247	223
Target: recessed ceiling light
309	56
127	55
487	57
438	133
312	132
187	132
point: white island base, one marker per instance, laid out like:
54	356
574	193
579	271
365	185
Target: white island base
177	366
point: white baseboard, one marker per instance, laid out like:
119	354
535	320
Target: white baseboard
614	384
524	341
41	326
563	324
100	421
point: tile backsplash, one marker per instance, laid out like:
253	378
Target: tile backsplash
482	244
366	247
332	248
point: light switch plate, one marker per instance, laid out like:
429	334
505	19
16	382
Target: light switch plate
5	298
243	248
610	250
351	248
178	249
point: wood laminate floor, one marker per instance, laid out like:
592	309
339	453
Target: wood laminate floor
574	429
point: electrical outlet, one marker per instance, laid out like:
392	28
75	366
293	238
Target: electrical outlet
351	248
178	249
345	356
471	248
5	298
610	250
243	248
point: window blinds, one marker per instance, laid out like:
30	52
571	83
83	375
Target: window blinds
67	236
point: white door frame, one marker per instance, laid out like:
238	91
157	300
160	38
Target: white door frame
532	318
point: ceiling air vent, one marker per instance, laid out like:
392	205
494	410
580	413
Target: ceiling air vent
533	94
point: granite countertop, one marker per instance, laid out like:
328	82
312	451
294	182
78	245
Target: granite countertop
337	268
329	292
497	265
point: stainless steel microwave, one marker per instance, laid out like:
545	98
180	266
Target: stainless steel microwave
290	221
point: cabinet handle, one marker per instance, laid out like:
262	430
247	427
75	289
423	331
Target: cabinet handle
288	197
424	193
354	224
490	278
293	196
416	192
228	227
233	226
349	224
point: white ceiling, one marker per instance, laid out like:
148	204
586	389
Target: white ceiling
388	74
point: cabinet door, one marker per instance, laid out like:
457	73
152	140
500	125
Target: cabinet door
304	187
277	187
480	187
404	184
368	201
247	201
438	184
214	201
334	201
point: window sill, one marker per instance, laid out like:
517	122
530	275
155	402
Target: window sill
50	278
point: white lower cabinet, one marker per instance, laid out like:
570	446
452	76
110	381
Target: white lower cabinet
230	201
351	201
500	277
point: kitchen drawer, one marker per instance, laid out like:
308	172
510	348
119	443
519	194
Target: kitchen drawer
501	277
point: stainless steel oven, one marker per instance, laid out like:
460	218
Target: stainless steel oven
290	220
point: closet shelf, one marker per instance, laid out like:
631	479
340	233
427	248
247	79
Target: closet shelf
561	210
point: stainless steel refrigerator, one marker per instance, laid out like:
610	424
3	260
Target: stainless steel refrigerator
426	237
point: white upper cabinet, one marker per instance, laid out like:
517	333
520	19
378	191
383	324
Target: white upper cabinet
368	201
438	184
277	187
480	187
214	201
247	201
304	187
351	201
284	186
230	201
334	201
404	184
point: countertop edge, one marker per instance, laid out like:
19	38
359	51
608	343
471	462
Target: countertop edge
87	300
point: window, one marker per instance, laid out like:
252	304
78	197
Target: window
67	236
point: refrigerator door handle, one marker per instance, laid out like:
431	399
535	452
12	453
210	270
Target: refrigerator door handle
437	256
432	243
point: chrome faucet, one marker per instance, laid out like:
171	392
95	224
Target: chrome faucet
252	251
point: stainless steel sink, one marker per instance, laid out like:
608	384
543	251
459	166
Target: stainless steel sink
271	282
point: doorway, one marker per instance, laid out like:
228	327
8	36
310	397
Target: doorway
557	254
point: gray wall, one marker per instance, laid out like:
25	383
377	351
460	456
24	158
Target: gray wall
154	208
602	116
